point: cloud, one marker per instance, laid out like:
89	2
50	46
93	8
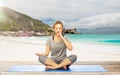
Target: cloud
64	9
98	21
88	14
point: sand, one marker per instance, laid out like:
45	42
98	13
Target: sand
24	51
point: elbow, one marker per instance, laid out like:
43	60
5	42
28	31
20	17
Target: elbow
71	48
46	54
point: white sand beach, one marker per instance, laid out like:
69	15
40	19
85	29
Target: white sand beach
24	51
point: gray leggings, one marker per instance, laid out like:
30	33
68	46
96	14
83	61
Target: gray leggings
72	58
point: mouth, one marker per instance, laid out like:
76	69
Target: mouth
58	32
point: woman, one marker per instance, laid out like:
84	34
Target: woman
57	45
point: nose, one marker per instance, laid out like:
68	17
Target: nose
58	29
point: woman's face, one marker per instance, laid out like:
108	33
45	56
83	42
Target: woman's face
58	29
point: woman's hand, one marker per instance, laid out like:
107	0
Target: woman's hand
37	54
60	34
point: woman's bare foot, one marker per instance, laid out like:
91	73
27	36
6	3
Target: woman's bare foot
65	67
50	68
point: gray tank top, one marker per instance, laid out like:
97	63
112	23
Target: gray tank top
58	50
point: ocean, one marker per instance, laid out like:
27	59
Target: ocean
102	39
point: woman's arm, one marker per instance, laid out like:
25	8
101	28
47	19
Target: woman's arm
67	43
46	52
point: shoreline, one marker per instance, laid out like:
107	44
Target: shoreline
22	51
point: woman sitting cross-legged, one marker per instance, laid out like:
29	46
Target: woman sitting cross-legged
57	45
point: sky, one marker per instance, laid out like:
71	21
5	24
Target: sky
83	14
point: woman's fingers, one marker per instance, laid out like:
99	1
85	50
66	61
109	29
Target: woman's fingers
38	54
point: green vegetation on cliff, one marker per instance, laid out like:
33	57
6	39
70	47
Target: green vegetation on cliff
14	21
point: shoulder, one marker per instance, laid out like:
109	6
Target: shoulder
48	42
66	38
50	38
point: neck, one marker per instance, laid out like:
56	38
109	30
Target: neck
57	36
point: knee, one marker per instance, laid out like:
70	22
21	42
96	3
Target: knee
42	59
72	58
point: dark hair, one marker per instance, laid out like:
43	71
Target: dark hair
57	22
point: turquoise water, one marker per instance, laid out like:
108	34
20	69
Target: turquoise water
110	39
109	42
104	39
